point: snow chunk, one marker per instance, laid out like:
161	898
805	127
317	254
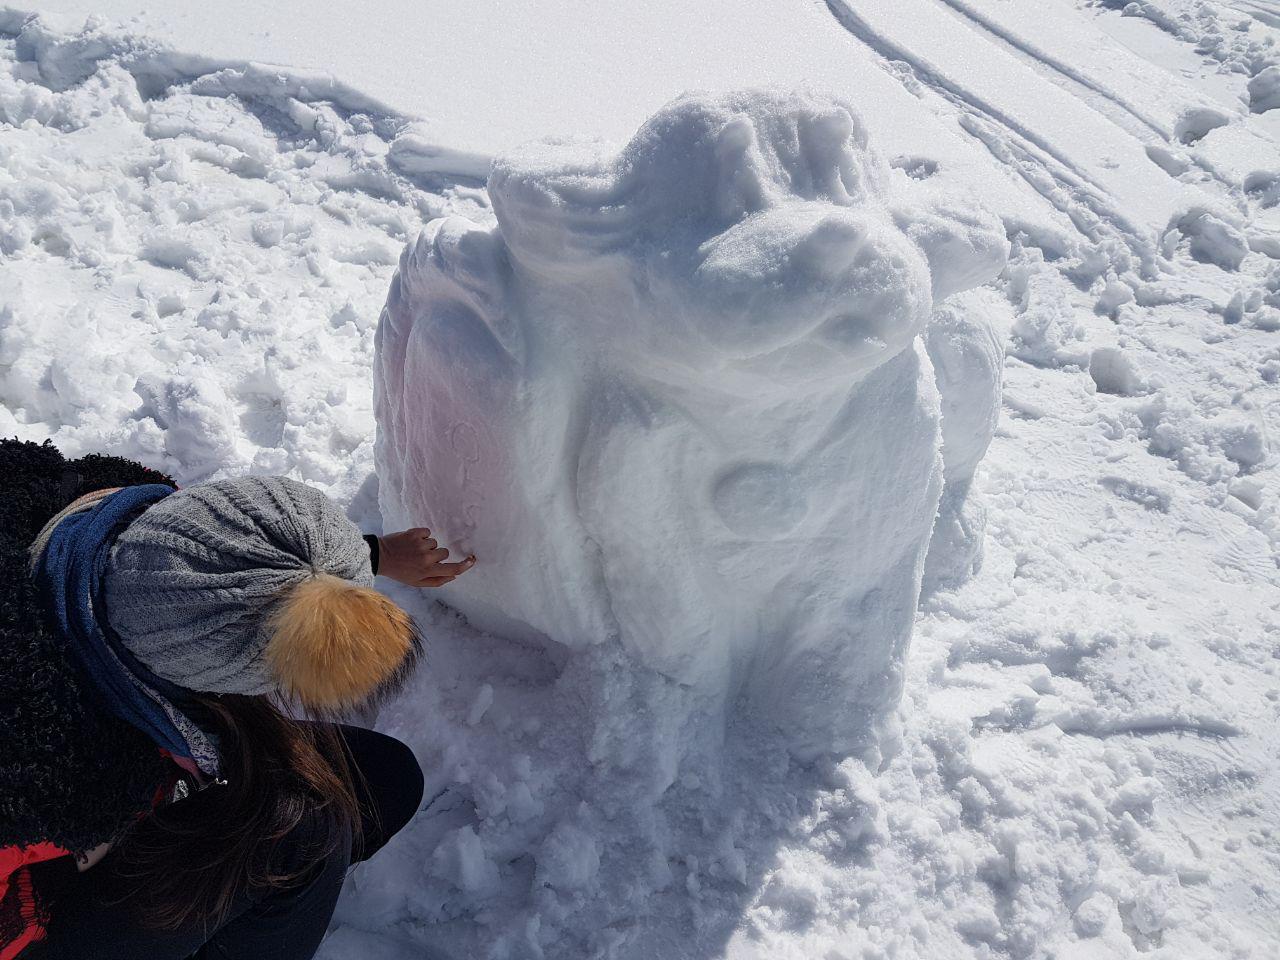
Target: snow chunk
676	398
1263	186
418	150
1113	372
1092	916
1213	239
195	414
480	705
569	858
1264	90
1115	294
461	860
1048	330
1194	124
212	120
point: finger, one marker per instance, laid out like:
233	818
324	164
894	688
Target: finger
453	569
417	532
428	544
435	581
433	557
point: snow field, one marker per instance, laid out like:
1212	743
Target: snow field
192	279
1088	736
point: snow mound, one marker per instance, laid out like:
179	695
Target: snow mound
676	399
1212	237
1264	90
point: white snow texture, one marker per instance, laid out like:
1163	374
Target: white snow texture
676	398
684	392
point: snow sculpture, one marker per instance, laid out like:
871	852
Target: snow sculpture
676	399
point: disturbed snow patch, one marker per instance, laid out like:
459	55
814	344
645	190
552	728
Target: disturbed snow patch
191	272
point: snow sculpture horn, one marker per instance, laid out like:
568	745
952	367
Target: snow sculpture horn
676	399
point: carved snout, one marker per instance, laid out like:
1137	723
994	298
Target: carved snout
812	290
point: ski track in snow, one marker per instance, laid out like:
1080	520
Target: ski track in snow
194	256
1048	169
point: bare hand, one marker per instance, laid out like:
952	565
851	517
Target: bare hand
413	557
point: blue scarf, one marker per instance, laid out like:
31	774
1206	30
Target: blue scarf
69	577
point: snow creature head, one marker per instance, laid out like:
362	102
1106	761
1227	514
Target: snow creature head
675	400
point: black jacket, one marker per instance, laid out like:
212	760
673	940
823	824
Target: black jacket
70	773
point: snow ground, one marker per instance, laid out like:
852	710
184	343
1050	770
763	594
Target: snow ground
194	254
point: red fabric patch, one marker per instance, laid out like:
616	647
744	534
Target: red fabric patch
22	917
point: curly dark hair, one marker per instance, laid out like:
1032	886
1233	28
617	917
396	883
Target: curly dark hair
70	773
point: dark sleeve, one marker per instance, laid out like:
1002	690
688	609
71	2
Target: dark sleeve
372	540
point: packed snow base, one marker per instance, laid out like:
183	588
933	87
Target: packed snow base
194	258
678	399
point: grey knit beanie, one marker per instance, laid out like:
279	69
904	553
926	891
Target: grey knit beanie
190	582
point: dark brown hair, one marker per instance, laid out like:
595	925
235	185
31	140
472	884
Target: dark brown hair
186	861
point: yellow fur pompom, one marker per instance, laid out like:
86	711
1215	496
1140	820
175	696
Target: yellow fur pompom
335	644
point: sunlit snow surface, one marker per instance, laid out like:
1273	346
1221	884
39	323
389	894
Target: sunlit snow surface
194	256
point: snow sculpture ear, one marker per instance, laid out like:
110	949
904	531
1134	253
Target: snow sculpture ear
455	260
741	187
823	156
835	161
964	244
556	210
